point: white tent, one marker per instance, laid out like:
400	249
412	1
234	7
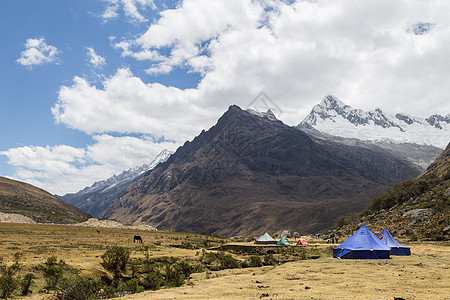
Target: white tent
265	239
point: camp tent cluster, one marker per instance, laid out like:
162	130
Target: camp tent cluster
365	245
267	239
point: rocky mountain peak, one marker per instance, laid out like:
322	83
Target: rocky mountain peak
269	115
332	116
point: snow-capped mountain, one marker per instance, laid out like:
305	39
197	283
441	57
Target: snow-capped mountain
97	197
334	117
126	176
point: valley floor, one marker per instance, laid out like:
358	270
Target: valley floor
423	275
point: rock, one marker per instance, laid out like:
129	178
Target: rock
286	233
447	229
447	192
414	220
15	218
417	212
94	222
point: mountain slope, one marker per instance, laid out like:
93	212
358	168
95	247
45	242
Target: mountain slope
419	155
97	198
334	117
25	199
417	208
249	174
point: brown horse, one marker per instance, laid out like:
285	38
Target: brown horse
137	239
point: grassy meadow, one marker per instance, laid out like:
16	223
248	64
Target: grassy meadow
423	275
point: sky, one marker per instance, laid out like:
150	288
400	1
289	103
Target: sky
89	88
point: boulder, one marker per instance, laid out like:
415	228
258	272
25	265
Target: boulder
417	212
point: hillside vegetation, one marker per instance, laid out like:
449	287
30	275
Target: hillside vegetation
21	198
417	208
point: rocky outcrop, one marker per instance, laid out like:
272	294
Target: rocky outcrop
96	223
15	218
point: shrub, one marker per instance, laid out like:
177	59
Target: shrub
228	262
153	278
8	285
346	219
269	259
255	261
185	268
174	276
80	288
219	261
53	272
115	260
131	286
26	283
400	193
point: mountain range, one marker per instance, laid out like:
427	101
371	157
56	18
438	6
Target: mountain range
96	198
251	173
415	139
251	165
334	117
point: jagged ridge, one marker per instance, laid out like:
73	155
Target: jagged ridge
96	198
334	117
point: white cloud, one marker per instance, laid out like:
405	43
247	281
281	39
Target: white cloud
127	105
299	52
37	52
131	8
61	169
365	53
95	59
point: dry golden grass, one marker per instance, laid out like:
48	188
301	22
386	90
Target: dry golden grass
423	275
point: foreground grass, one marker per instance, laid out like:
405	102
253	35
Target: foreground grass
423	275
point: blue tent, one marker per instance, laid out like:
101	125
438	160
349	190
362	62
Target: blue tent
362	245
396	248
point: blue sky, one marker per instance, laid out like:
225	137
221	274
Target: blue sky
89	88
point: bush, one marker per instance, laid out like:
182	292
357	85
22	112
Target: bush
131	286
228	262
8	285
219	261
255	261
116	260
346	219
153	279
26	283
174	276
53	272
80	288
269	259
185	268
400	193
